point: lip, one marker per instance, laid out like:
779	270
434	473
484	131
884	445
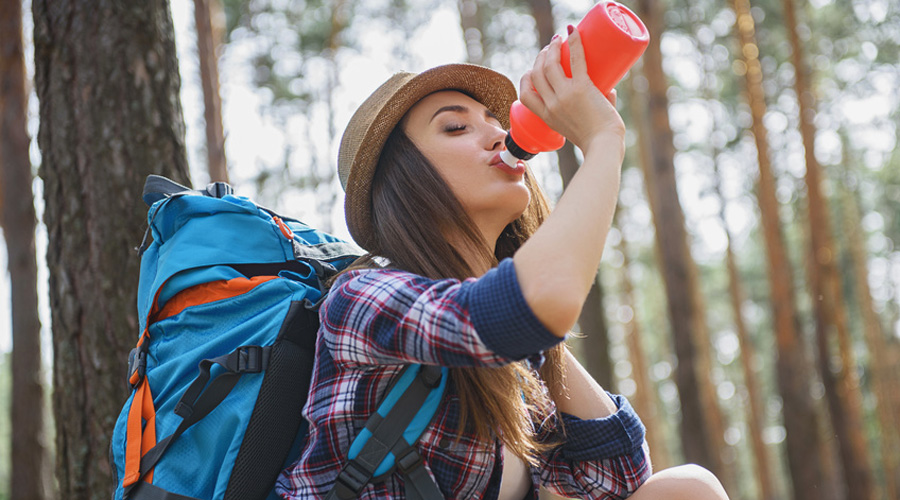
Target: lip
498	163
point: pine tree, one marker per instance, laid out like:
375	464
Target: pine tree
107	80
801	421
18	222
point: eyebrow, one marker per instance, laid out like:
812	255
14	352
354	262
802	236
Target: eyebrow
457	108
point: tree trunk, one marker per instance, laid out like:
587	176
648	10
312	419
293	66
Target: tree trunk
207	14
884	382
18	221
844	398
761	460
763	468
594	347
472	24
794	371
701	442
107	79
645	401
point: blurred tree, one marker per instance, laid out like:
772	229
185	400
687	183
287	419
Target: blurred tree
471	18
645	401
108	84
804	447
841	383
294	51
736	295
702	432
884	381
764	479
208	21
17	218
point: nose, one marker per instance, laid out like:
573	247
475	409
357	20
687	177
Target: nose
496	137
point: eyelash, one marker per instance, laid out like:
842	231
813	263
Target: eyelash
454	128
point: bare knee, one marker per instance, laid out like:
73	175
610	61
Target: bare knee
688	482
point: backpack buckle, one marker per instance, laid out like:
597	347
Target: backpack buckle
351	481
431	375
250	359
219	189
137	365
409	460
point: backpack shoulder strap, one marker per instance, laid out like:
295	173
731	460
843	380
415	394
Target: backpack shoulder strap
157	187
384	435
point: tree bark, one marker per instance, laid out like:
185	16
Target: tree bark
794	371
209	37
842	385
18	221
701	441
107	79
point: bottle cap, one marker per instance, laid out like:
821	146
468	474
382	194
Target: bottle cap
513	149
625	20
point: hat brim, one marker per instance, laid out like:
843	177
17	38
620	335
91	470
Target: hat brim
376	118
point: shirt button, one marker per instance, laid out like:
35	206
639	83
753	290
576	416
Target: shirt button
444	443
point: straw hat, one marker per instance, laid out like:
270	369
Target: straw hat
370	126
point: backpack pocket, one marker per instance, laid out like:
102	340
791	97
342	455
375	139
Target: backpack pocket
260	325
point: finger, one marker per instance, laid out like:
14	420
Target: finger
553	70
528	95
576	54
538	75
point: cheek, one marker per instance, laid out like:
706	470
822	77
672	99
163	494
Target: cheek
461	177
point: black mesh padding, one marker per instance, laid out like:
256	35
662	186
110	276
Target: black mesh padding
276	416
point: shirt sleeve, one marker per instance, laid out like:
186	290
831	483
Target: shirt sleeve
385	316
603	458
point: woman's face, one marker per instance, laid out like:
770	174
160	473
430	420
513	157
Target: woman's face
463	140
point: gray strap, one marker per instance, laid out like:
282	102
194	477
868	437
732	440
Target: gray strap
157	187
147	491
386	435
419	485
200	398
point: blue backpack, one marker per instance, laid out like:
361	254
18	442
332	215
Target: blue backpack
232	288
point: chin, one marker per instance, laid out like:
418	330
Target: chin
520	204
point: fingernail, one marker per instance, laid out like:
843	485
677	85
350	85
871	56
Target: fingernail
570	28
554	37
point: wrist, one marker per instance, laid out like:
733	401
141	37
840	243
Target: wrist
606	144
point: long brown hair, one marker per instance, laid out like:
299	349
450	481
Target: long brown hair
413	211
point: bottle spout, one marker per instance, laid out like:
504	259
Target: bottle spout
508	158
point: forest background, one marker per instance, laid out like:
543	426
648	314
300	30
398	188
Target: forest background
749	298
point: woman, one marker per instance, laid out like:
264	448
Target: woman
467	268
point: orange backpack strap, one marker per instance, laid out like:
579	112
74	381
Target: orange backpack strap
141	426
142	450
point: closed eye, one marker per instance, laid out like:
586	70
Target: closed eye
453	127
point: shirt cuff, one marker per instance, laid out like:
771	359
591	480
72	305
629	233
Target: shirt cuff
502	318
618	434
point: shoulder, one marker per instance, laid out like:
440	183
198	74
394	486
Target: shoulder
374	283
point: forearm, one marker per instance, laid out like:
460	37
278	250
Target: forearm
582	396
558	264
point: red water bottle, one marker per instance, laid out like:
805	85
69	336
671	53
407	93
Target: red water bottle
613	38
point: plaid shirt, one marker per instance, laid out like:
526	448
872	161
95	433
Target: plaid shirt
375	321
